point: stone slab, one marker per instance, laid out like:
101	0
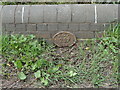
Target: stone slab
84	26
63	26
82	13
50	13
73	27
22	14
36	14
39	34
1	19
3	27
58	0
20	27
119	13
1	6
31	27
106	13
52	26
84	34
10	27
42	27
64	13
8	14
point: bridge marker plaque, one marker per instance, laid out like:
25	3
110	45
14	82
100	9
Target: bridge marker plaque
64	38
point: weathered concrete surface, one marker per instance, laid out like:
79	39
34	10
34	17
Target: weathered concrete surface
42	27
83	13
53	26
59	0
81	19
50	13
74	13
8	14
31	27
64	13
73	27
119	13
36	14
10	27
22	14
107	13
1	19
20	27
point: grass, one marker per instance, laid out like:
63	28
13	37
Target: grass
92	63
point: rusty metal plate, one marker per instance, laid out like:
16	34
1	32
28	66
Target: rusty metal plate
64	38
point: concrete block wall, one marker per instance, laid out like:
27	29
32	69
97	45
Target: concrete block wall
83	20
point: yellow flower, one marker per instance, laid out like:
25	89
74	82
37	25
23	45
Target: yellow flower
87	48
8	64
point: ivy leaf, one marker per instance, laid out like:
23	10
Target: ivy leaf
37	74
22	76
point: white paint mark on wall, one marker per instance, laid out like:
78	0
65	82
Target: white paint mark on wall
23	9
95	14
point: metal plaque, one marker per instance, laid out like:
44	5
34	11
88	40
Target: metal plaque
64	38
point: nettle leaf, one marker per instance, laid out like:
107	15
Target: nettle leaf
37	74
22	76
18	64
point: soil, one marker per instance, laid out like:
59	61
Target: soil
68	53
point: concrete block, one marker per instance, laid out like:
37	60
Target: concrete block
31	27
42	27
1	7
73	27
119	13
1	14
78	13
100	26
40	34
116	11
8	13
95	27
3	27
99	34
84	34
20	32
63	26
64	13
82	13
52	26
84	26
20	27
106	26
36	14
22	14
106	13
50	13
90	13
52	33
10	27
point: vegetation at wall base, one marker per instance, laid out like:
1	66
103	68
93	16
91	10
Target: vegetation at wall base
53	3
91	63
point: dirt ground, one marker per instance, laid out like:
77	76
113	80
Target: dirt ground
70	54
